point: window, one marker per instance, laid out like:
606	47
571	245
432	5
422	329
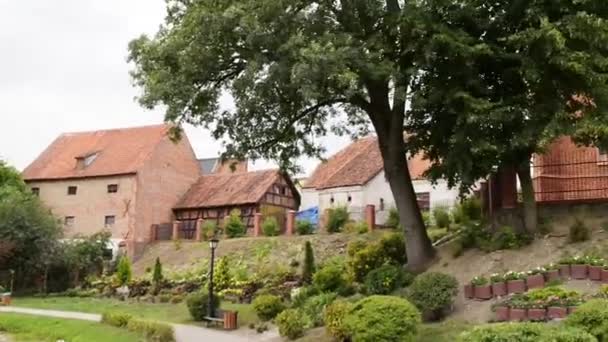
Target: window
331	200
109	221
36	191
602	156
68	221
424	200
349	198
72	190
112	188
381	205
284	191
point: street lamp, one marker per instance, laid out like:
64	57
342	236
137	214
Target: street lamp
213	245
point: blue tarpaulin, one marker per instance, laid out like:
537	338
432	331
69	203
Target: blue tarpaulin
311	215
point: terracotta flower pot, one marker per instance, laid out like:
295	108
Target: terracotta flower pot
578	271
516	286
468	291
604	275
499	289
595	272
483	292
572	309
564	271
552	275
537	314
535	281
502	313
557	312
6	300
517	314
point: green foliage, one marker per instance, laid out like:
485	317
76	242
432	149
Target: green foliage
385	279
152	331
234	226
426	218
393	246
591	317
210	229
359	227
304	227
331	277
579	232
314	306
308	267
525	332
436	234
382	318
123	271
157	276
442	217
116	319
390	249
333	318
222	278
337	219
354	247
267	307
270	226
291	323
198	305
302	294
433	293
393	219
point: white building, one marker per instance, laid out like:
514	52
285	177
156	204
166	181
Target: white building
354	177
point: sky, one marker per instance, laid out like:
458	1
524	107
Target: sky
63	68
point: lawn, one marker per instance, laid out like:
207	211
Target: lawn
43	329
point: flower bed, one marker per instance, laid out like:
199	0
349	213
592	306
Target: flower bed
538	305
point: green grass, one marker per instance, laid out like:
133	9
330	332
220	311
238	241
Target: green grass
43	329
447	331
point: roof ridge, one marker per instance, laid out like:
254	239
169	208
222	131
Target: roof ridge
114	129
352	157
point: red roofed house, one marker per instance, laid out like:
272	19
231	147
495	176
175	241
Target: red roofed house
354	177
123	180
215	195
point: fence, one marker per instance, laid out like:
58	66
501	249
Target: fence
576	180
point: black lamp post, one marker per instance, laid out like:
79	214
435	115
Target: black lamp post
213	245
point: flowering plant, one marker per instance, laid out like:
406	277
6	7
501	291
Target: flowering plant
514	275
538	270
497	278
479	281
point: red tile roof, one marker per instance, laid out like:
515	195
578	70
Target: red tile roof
356	165
119	151
223	189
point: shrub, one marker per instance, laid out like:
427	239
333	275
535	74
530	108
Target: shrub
152	331
337	218
308	268
270	226
116	319
525	332
210	229
157	276
393	247
123	271
222	278
176	299
442	217
234	226
426	218
382	318
359	227
303	293
333	319
591	317
291	323
506	238
268	307
390	249
579	232
330	278
304	227
384	280
198	304
436	234
314	307
164	297
432	293
393	219
355	246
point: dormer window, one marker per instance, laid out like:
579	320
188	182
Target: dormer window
86	160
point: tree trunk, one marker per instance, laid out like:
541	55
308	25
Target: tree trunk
527	189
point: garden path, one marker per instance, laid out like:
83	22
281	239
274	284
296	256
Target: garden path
183	333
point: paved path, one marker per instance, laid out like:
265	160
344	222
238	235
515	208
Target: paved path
183	333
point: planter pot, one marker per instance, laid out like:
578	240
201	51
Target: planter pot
468	291
502	313
557	312
516	286
572	309
578	271
499	289
595	272
517	314
604	274
552	275
535	281
564	271
537	314
483	292
6	299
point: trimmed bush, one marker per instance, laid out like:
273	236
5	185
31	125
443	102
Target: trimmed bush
123	271
442	217
393	219
393	247
591	317
304	227
157	276
198	304
152	331
382	318
292	323
299	298
234	225
333	318
385	279
433	293
355	246
116	319
270	226
210	229
314	306
268	307
308	268
579	232
525	332
390	249
330	278
337	218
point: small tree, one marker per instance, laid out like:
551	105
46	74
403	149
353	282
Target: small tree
308	268
270	226
123	271
234	225
157	276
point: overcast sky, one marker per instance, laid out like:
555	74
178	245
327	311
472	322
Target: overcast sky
63	69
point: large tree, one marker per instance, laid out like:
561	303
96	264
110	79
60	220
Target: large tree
296	69
519	74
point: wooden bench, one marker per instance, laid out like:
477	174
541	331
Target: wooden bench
221	321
